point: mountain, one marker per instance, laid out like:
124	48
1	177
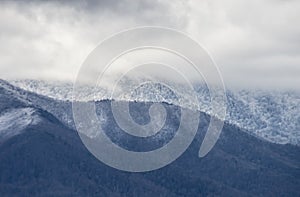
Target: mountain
270	115
47	158
13	121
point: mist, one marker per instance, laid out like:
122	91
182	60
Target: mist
254	43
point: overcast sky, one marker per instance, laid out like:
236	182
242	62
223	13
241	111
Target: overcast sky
255	43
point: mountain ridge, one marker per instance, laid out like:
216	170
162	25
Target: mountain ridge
272	116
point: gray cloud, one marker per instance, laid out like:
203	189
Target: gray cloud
255	43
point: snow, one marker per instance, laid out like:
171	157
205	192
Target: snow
14	121
271	115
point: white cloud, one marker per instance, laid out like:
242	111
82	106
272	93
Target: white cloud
255	43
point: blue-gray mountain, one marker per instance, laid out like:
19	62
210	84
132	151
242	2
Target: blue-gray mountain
271	115
42	155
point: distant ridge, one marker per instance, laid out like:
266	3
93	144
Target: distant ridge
274	116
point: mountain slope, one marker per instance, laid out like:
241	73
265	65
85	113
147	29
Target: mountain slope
13	121
271	115
48	159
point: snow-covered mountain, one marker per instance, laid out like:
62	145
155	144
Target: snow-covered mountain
271	115
21	110
43	156
14	121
